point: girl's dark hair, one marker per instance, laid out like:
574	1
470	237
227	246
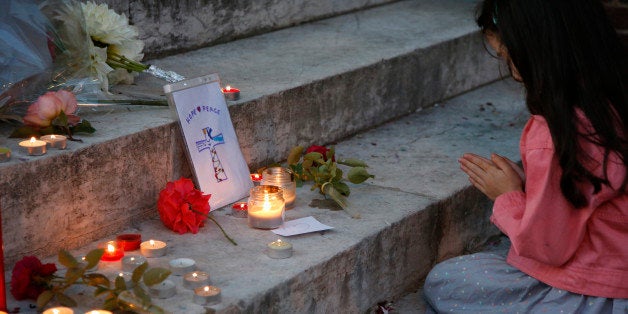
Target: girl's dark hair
569	57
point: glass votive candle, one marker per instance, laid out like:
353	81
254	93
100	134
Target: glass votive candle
266	207
283	178
113	251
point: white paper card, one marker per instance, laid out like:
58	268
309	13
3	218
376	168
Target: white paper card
211	144
300	226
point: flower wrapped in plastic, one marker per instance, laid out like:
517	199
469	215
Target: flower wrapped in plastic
81	47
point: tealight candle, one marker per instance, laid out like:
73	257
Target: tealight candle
59	310
207	295
34	147
256	178
163	290
266	207
279	249
128	279
5	154
113	252
99	312
153	248
55	141
181	266
130	241
195	279
130	263
239	209
231	93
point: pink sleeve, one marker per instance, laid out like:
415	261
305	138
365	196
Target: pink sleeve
541	223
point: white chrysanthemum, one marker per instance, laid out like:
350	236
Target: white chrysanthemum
106	26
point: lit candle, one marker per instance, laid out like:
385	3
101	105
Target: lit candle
239	209
59	310
130	263
181	266
195	279
256	178
113	252
283	178
153	248
99	312
207	295
231	93
55	141
34	147
5	154
163	290
266	207
130	241
279	249
128	279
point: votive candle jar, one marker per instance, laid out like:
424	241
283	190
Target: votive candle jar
266	207
283	178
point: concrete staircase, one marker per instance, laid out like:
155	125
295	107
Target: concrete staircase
337	80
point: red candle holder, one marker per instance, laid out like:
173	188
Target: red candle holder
113	252
231	93
240	210
256	178
129	241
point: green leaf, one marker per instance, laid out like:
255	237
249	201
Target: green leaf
24	132
65	300
73	274
338	176
120	284
352	162
110	304
93	257
66	259
138	272
44	298
97	280
83	127
100	290
330	153
141	294
295	155
341	187
358	175
61	120
307	164
156	275
313	156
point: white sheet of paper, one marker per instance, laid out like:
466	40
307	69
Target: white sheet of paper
300	226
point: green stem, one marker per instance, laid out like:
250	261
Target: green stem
118	61
217	224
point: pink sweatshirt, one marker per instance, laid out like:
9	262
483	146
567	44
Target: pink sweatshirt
585	250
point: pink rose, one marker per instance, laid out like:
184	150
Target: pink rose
49	106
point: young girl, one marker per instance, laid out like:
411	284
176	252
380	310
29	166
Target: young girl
566	212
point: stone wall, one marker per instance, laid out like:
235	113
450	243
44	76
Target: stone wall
168	27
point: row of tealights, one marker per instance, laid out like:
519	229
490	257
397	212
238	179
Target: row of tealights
37	147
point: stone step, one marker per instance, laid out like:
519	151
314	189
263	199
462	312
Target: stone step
314	83
416	211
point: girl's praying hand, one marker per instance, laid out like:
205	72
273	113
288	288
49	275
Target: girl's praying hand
494	176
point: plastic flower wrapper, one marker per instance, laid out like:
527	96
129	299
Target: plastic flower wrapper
318	164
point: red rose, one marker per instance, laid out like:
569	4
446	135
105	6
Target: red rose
320	149
30	278
183	208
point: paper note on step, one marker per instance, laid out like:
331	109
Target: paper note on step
300	226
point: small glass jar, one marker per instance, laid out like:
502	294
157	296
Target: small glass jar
266	207
283	178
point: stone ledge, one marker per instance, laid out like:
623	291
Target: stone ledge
416	211
315	83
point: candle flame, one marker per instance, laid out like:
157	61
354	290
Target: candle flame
242	206
132	259
32	139
194	275
228	88
121	274
266	205
152	242
110	248
206	288
53	137
55	311
278	240
83	258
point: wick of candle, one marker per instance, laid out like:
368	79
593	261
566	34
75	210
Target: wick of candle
55	311
152	243
194	275
53	137
33	141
